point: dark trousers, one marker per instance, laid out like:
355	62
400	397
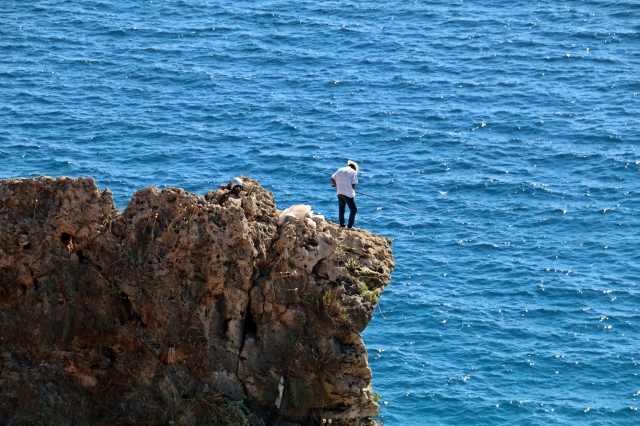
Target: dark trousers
342	201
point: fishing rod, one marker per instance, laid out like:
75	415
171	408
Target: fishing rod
393	204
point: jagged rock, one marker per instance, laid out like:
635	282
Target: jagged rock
181	310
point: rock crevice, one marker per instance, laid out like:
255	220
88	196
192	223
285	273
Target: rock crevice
181	309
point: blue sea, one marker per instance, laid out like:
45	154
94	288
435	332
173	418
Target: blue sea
512	126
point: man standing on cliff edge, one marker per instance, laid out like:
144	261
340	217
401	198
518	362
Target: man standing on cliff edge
345	179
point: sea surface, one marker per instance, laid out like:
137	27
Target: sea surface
512	126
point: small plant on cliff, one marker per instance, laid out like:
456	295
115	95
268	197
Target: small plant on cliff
342	249
298	394
232	413
321	358
291	339
289	343
330	307
118	287
153	227
350	261
367	294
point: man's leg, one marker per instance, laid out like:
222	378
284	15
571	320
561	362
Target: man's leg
341	204
352	211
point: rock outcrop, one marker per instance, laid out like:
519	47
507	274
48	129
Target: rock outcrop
181	310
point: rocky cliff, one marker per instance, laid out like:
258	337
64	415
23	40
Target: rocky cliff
181	310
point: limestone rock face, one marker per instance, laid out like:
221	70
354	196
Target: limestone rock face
181	310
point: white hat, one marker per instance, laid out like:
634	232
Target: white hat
354	164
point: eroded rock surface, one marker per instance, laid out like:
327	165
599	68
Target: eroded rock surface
180	310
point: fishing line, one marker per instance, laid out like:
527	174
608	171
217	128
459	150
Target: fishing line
383	200
393	204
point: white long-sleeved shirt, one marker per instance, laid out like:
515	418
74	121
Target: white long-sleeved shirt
345	177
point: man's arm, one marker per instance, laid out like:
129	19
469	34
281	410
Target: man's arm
333	181
353	185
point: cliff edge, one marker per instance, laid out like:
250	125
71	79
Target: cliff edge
181	310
